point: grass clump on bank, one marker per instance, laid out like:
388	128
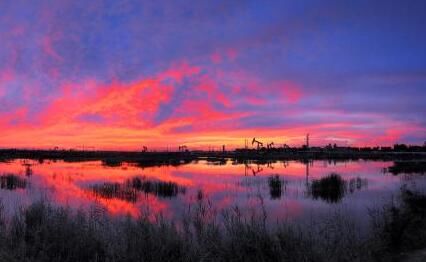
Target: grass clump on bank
12	182
408	167
275	186
330	188
130	189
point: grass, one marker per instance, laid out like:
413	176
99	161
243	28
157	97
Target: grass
330	188
275	187
408	167
43	232
114	190
12	182
130	190
158	188
401	228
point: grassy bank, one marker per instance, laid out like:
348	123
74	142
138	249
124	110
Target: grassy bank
42	232
148	159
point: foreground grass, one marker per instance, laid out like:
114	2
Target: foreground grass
43	232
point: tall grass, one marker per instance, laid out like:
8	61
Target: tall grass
408	167
275	186
12	182
330	188
43	232
130	189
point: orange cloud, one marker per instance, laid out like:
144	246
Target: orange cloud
199	107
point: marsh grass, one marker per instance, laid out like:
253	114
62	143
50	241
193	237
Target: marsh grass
275	186
330	188
400	227
43	232
12	182
159	188
130	189
408	167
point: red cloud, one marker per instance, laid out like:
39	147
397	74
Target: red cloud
200	107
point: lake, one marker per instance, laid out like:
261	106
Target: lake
286	190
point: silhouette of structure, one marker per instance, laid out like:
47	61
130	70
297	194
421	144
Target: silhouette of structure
183	148
259	144
307	141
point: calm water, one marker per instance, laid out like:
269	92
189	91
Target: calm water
128	189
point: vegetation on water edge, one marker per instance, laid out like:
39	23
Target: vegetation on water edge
330	188
12	182
408	167
130	190
43	232
333	187
275	186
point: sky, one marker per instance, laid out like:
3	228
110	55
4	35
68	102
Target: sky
126	74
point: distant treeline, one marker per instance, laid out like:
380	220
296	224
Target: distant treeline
152	158
335	147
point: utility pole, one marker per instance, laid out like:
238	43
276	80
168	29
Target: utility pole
307	141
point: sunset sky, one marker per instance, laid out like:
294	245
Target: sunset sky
124	74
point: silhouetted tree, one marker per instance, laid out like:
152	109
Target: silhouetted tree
400	147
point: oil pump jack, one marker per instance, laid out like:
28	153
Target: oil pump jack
259	144
183	148
144	149
270	145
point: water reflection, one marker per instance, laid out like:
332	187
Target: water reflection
288	188
357	184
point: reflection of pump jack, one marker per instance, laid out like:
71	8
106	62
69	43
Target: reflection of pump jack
259	169
28	169
308	163
307	174
248	167
270	165
285	164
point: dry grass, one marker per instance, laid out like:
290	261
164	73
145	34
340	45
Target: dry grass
42	232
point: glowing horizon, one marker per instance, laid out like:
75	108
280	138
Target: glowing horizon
122	75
